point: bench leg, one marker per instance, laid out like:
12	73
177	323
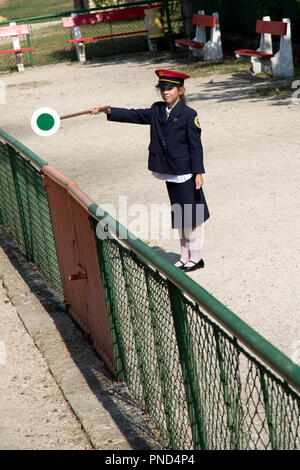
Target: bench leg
16	45
282	66
19	60
196	53
282	62
80	49
213	48
260	66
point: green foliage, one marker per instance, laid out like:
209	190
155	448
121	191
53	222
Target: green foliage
12	9
102	3
270	8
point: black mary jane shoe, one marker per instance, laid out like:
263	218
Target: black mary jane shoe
198	265
180	267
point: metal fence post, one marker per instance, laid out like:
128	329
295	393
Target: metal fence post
161	354
29	44
14	169
189	368
138	340
120	369
170	31
269	415
232	395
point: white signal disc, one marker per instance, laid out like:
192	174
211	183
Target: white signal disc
45	121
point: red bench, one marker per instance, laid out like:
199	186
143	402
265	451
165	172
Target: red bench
208	50
198	20
263	58
14	31
105	17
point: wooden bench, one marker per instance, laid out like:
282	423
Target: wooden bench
199	47
14	31
280	64
122	14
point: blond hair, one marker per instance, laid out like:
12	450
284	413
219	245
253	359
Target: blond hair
182	97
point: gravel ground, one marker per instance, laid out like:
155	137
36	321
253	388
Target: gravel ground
55	392
252	152
34	412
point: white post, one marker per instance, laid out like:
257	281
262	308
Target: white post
213	48
199	37
150	45
200	30
16	45
282	63
260	65
80	47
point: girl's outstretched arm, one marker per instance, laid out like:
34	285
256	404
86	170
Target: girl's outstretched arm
100	109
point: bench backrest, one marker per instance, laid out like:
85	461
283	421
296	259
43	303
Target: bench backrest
278	28
14	30
104	17
204	20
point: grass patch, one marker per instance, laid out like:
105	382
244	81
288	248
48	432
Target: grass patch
12	9
272	90
269	91
220	67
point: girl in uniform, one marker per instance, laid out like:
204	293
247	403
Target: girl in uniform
176	157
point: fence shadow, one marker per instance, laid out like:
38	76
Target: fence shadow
168	255
113	396
244	86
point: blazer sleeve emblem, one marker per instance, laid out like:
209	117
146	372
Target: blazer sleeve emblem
197	123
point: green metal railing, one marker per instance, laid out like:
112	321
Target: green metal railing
24	209
206	379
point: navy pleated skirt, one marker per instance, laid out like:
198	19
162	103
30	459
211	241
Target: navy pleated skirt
188	205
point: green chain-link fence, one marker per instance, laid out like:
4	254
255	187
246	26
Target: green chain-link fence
201	387
25	213
49	38
206	379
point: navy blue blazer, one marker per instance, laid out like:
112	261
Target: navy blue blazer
175	143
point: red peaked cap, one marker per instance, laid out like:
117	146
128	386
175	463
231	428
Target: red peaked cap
170	78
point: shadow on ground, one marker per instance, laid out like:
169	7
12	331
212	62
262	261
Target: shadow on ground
113	396
236	85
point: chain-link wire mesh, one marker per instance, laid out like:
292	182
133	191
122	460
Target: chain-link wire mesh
110	46
8	60
200	386
50	39
137	296
202	389
25	213
174	10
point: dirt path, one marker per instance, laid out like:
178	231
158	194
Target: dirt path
55	392
252	160
34	413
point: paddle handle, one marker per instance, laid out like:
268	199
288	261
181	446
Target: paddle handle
80	113
66	116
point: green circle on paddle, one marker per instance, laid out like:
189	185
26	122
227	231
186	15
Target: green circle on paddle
45	122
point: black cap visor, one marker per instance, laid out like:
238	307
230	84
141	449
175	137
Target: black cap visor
164	82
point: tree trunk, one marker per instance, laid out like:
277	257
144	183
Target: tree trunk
82	4
187	10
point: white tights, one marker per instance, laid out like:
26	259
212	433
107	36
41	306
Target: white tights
191	242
